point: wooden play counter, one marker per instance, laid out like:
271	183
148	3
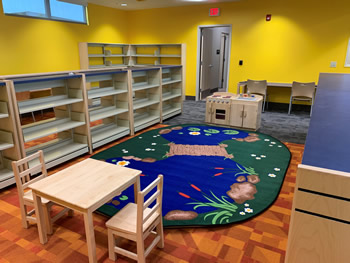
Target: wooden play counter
320	222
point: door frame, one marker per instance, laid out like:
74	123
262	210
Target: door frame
199	55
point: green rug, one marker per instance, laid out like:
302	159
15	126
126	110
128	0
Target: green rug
212	175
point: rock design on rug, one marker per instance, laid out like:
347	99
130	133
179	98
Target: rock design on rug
241	192
180	215
252	137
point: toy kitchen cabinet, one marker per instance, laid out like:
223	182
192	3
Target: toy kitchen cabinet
229	109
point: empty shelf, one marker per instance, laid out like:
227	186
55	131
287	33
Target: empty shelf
105	112
169	95
167	82
104	131
169	110
144	85
3	115
45	103
5	145
47	128
102	92
143	118
59	149
140	103
5	174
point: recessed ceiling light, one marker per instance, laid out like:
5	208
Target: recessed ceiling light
124	4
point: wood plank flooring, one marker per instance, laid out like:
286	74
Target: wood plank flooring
261	239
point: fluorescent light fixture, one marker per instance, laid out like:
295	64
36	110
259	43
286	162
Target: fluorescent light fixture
124	4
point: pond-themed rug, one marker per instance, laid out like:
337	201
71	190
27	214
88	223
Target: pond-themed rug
212	175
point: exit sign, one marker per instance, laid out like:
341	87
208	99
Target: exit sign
214	11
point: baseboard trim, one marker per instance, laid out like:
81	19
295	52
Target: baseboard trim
190	97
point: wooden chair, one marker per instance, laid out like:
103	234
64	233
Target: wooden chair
302	92
136	221
258	87
23	180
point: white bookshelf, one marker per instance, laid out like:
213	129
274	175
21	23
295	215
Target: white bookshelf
9	144
172	91
108	95
145	83
104	55
66	135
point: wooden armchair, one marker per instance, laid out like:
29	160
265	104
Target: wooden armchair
136	221
23	180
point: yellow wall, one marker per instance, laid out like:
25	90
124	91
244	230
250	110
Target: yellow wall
34	45
299	42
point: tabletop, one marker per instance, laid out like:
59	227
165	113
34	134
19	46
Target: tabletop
85	183
328	143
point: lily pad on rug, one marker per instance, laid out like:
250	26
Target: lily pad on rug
212	175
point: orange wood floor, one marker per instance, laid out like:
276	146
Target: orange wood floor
261	239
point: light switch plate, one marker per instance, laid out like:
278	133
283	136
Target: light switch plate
333	64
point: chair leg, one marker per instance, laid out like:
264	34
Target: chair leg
25	223
140	243
263	106
159	230
111	245
47	217
290	105
70	213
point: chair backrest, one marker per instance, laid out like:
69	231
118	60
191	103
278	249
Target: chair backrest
257	86
300	89
23	173
142	204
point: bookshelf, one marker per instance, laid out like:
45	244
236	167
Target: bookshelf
9	144
65	135
108	101
146	91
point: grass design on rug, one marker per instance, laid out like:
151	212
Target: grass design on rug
212	175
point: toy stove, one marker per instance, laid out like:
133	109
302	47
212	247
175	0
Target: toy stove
218	108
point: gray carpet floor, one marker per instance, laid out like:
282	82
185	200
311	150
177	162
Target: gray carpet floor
275	121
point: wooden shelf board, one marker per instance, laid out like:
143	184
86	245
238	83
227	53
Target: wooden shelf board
167	96
101	132
143	86
42	105
138	105
144	118
5	174
3	115
105	113
102	92
96	55
170	110
167	82
48	128
5	145
170	56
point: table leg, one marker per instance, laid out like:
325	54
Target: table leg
40	220
90	236
137	187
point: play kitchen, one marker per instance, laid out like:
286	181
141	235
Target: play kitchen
235	110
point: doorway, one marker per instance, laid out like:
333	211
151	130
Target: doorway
214	43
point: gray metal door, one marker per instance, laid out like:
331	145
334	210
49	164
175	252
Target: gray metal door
209	63
212	60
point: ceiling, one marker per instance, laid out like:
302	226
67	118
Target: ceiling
149	4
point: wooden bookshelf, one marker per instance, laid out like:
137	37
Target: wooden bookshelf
66	135
9	144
